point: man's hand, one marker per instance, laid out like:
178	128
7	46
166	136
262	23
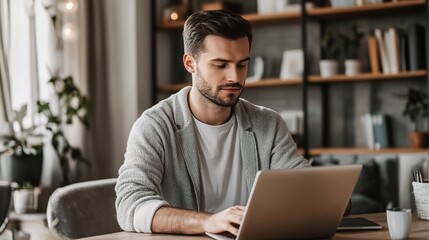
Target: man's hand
174	220
226	221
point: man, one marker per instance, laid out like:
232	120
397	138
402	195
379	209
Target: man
191	159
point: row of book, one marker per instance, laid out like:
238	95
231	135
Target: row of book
395	50
375	130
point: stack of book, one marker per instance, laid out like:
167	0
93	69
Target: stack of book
375	129
393	50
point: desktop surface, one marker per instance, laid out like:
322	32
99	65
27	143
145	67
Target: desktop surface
419	230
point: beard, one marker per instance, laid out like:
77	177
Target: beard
207	91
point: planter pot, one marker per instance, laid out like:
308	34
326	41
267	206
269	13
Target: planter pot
352	67
328	67
418	139
25	200
5	196
25	168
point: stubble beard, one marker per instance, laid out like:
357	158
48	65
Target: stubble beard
206	90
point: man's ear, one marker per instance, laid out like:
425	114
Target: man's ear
188	62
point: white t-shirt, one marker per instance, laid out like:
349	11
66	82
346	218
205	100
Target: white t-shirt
222	174
221	169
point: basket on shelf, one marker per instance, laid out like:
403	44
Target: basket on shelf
421	196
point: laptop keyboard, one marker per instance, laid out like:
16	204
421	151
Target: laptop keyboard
222	236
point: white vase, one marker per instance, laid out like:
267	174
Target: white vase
352	67
328	67
25	200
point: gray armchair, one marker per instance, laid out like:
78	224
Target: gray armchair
83	209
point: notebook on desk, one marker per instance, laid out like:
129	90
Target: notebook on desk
304	203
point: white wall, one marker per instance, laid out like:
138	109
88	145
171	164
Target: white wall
125	81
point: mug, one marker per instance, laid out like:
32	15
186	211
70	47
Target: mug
399	222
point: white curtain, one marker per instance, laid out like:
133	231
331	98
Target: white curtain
5	101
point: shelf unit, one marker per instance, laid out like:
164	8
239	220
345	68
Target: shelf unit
328	13
320	13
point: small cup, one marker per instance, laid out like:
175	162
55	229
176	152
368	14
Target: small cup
399	222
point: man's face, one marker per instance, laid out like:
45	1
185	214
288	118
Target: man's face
221	69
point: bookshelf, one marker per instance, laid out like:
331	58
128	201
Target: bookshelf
320	14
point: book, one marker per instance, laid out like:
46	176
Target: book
381	139
416	47
392	48
367	129
382	50
373	54
403	52
357	223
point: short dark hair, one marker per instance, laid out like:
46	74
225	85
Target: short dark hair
219	22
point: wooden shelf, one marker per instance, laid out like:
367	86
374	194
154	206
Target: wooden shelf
172	88
367	77
350	11
320	151
273	82
319	12
171	25
255	18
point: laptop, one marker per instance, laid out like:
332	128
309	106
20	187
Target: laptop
304	203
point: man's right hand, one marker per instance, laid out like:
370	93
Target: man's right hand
173	220
227	220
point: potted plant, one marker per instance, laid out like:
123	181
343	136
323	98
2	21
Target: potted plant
416	110
25	198
72	105
350	47
331	49
21	151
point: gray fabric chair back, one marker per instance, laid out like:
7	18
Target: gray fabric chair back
84	209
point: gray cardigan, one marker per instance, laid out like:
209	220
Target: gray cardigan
161	160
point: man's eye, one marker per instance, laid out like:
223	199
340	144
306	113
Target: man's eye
220	65
242	65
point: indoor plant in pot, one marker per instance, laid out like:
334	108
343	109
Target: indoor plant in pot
416	110
21	151
350	47
330	47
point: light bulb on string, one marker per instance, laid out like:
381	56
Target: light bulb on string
69	32
68	6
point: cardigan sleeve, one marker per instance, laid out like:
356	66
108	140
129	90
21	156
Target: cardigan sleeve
141	174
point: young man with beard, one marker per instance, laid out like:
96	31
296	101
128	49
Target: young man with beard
191	159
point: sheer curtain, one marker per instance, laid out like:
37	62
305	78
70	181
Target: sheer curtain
5	101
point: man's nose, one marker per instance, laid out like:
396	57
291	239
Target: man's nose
233	74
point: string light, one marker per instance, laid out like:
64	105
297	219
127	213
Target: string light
69	32
68	6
